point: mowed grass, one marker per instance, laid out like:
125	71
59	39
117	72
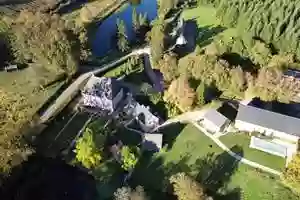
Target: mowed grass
192	152
208	23
268	160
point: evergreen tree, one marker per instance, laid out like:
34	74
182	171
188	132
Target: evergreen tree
135	20
123	43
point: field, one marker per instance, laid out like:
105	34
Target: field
208	24
192	152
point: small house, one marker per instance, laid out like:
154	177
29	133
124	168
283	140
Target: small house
214	121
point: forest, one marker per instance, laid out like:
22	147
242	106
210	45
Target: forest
274	22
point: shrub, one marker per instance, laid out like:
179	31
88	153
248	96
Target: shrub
291	176
156	39
129	158
87	151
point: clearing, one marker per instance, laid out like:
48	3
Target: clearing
191	151
209	26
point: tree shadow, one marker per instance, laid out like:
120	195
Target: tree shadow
170	133
235	59
213	172
206	34
49	179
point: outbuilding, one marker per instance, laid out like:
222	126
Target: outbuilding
214	121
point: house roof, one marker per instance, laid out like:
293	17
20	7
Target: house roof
153	141
268	119
100	92
215	117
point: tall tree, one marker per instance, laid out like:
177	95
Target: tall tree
43	38
180	93
168	67
185	188
123	43
126	193
14	112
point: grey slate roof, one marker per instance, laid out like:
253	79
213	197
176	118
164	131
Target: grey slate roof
268	119
215	117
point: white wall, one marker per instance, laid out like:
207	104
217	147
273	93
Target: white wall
210	126
244	126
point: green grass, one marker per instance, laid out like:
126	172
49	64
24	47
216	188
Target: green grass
194	153
207	21
27	82
260	157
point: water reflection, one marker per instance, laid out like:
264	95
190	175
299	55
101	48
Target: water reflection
105	39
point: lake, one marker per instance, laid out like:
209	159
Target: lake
105	40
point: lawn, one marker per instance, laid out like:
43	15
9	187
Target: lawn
192	152
260	157
208	24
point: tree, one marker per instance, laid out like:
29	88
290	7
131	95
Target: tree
201	93
165	6
87	151
135	20
156	39
168	67
261	53
291	176
180	93
129	158
126	193
185	188
14	113
123	43
43	38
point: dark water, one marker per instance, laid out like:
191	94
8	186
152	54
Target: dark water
105	40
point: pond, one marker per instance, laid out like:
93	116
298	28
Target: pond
105	36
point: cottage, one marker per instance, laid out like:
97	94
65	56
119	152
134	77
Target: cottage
214	121
282	131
